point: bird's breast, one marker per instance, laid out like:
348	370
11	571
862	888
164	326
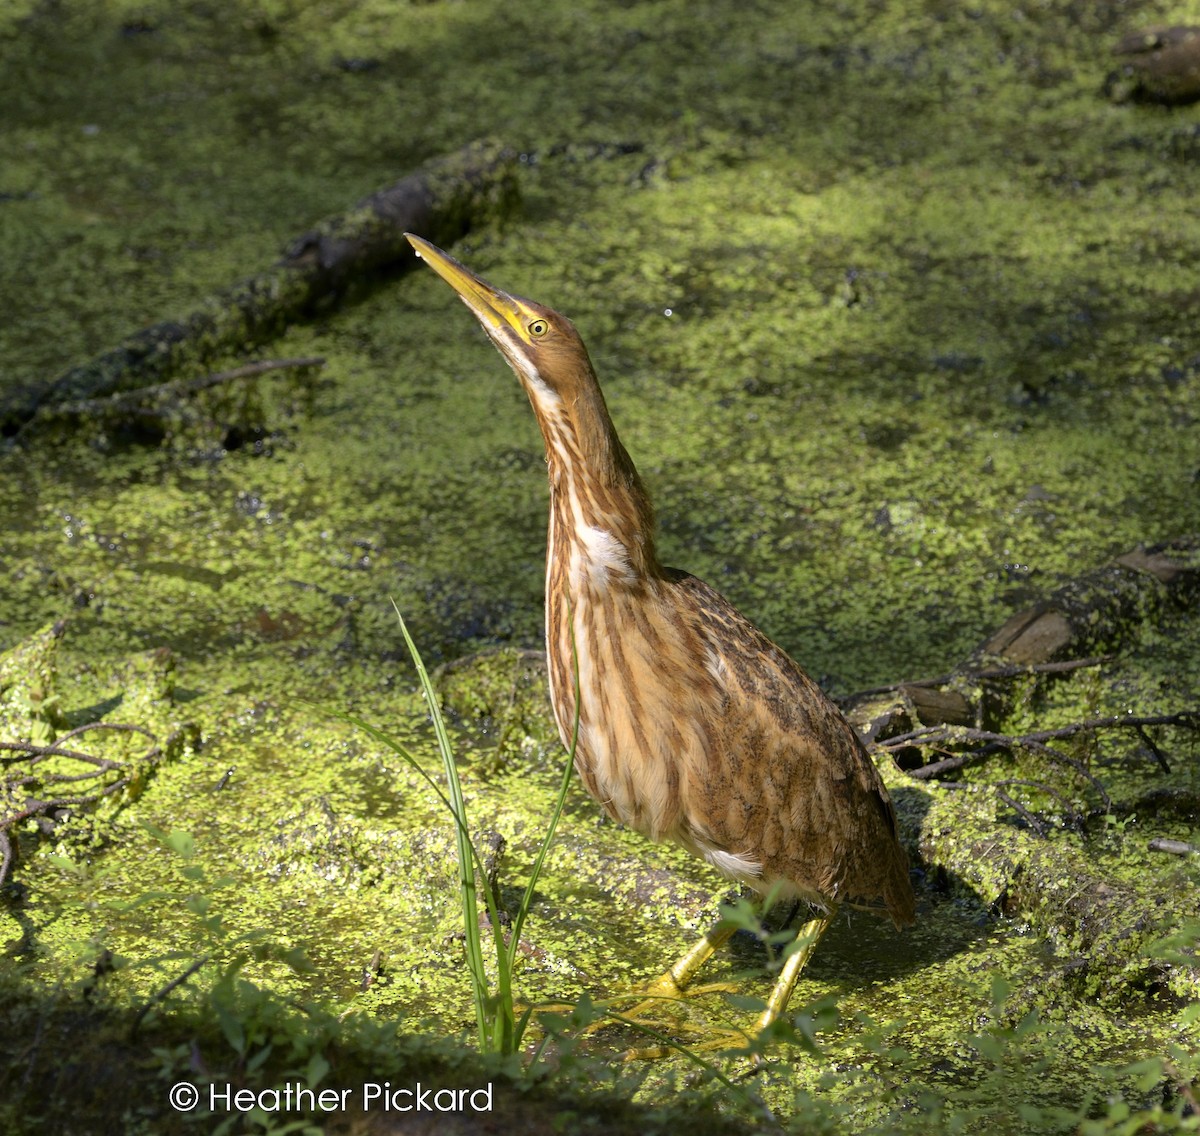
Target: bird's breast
644	709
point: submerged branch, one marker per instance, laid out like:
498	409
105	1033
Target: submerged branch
26	780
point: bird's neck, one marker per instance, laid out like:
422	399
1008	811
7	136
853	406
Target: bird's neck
600	514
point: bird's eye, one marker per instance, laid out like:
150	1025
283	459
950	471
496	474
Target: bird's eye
538	328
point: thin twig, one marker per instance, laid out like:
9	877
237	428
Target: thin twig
1163	764
165	992
987	742
1013	671
1048	790
35	754
1187	718
41	808
1035	822
39	753
936	769
31	783
1062	759
1039	826
177	388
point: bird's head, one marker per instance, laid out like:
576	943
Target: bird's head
541	346
582	447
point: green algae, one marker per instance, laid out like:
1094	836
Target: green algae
355	865
29	698
893	311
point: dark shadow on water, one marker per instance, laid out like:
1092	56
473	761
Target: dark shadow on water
861	948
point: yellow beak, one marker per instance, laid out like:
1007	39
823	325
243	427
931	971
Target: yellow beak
493	308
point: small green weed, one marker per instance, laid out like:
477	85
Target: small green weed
499	1028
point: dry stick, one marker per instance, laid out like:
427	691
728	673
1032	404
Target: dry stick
1035	742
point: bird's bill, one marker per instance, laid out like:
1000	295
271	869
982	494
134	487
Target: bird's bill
496	310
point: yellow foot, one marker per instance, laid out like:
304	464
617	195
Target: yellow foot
646	1015
662	995
669	987
714	1039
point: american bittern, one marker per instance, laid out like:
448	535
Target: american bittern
692	725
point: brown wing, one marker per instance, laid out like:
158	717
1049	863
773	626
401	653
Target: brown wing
791	786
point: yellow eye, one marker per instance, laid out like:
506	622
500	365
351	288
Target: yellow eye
538	328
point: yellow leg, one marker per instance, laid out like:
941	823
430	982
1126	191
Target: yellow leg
671	984
675	980
807	937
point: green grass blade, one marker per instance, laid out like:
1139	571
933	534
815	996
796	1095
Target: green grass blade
468	859
559	803
461	827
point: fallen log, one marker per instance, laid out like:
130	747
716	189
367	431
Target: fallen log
1102	609
1102	928
442	201
1079	624
154	413
1038	866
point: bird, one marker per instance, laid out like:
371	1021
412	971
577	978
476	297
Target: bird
688	724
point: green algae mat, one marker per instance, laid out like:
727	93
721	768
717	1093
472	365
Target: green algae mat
895	308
